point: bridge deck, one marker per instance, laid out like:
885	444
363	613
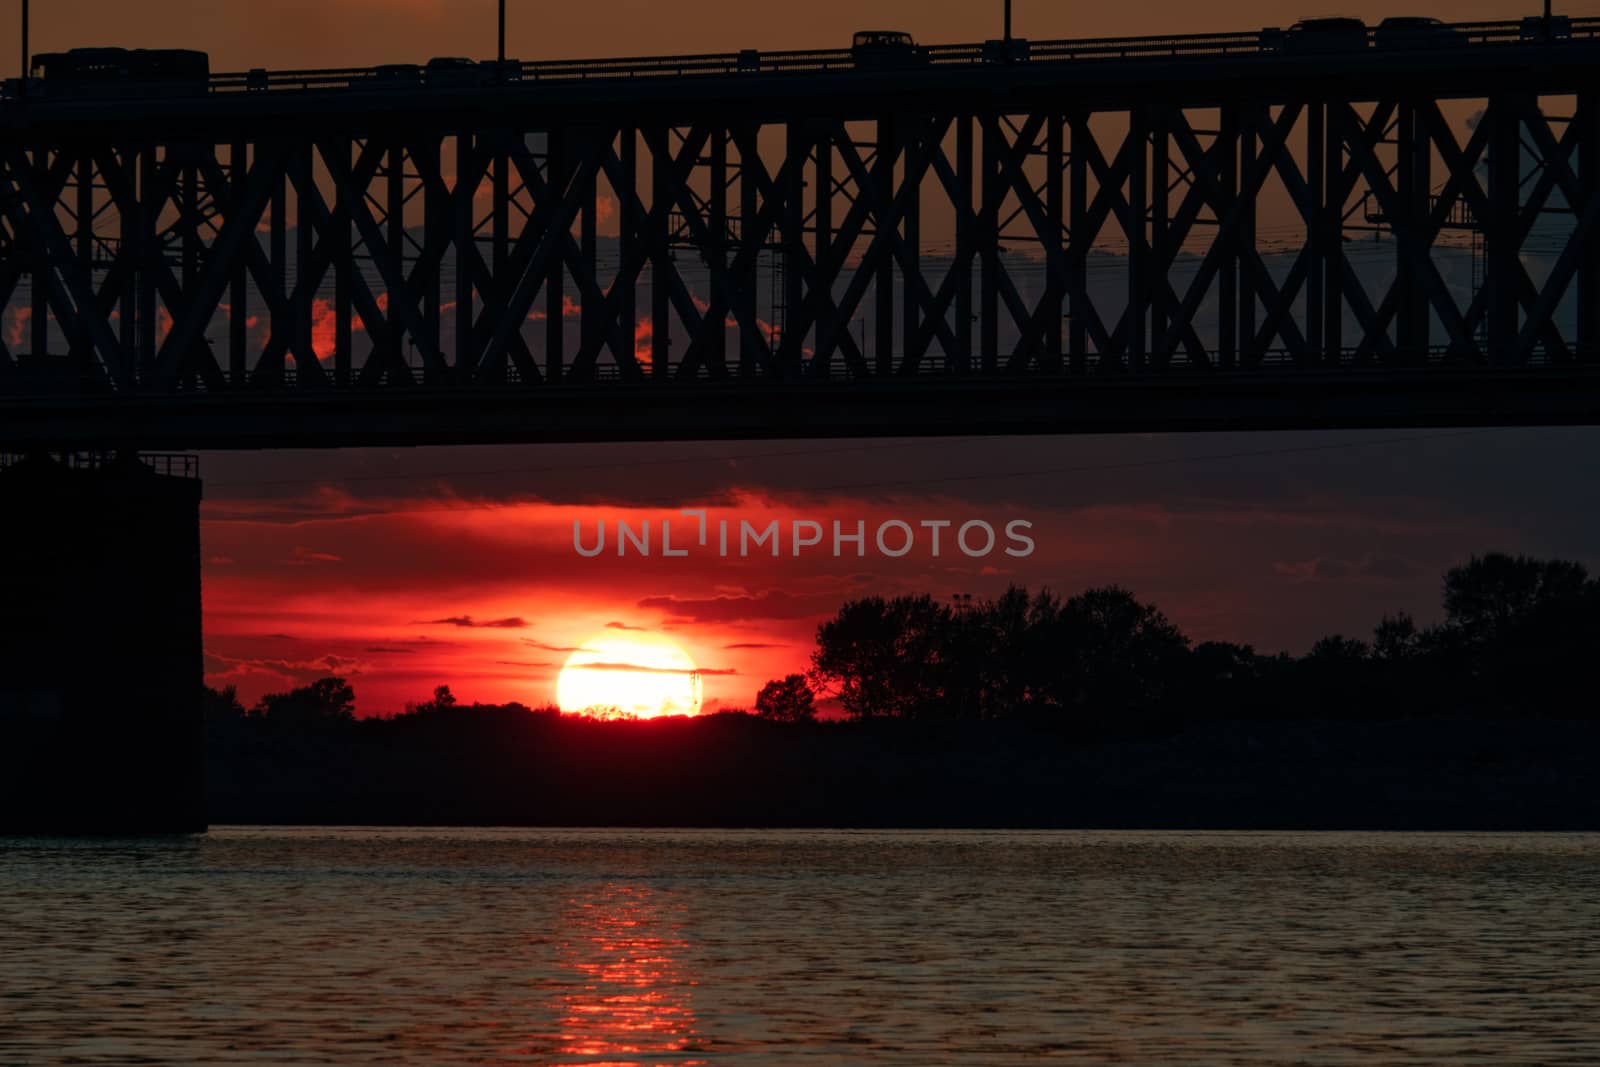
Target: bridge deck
1086	62
759	410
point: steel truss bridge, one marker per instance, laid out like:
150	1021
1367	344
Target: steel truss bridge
1148	234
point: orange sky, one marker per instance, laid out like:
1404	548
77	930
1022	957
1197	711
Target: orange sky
323	33
406	569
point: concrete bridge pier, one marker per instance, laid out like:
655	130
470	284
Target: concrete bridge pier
101	723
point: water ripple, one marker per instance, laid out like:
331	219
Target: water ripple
699	947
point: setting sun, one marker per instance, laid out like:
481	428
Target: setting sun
644	675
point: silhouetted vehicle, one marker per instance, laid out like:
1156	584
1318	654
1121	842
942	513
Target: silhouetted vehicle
498	72
1016	50
99	71
456	72
1415	32
886	50
749	61
1321	36
1537	28
398	75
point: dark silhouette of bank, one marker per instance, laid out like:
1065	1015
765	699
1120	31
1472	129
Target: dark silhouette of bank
1027	710
100	645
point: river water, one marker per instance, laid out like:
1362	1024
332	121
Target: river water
694	947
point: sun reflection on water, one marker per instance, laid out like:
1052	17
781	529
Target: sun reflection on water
631	999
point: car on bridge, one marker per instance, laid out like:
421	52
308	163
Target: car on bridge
1413	32
1007	50
886	50
454	72
1539	28
1321	36
397	75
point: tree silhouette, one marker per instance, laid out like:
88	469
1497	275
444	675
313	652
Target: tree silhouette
787	700
1488	597
1112	654
325	702
1521	635
1339	651
887	657
1397	639
910	657
222	706
1006	647
443	701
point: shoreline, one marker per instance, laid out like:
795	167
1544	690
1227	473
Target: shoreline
727	773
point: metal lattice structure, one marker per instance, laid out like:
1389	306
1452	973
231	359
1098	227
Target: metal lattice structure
1172	233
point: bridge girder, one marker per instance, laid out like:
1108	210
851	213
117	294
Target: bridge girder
1039	242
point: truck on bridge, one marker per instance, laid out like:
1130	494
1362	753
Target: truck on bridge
95	71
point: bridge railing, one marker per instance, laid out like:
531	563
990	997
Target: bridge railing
1199	45
752	63
168	465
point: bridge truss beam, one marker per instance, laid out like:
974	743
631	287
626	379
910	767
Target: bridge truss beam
925	241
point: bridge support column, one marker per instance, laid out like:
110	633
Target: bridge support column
827	319
238	276
1155	275
717	331
989	244
1228	273
40	318
1078	243
101	727
1588	114
1136	226
1055	254
1333	201
751	238
964	242
1313	211
555	342
83	235
1249	139
887	224
1415	156
794	276
1505	205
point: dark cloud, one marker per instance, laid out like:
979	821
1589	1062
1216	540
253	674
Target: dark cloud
1378	568
1390	568
771	604
219	668
467	622
541	646
624	626
750	646
637	668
